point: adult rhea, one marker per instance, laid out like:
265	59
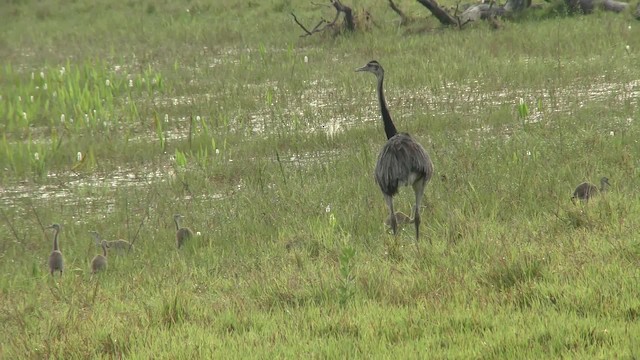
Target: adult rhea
402	160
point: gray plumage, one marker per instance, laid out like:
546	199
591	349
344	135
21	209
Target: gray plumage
586	190
120	244
182	233
402	160
56	263
99	262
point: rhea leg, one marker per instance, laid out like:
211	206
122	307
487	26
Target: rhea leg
392	215
418	189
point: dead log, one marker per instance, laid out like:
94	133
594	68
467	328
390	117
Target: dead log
481	12
588	6
439	13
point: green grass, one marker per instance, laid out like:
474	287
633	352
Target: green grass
214	113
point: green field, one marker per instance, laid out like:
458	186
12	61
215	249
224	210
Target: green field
115	115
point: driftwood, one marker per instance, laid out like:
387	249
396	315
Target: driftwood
588	6
348	24
481	12
439	13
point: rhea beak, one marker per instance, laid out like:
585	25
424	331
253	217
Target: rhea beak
364	68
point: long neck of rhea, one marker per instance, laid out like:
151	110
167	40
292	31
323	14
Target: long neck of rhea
104	249
177	224
389	128
55	240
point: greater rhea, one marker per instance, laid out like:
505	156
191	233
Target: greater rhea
56	262
182	233
402	160
586	190
120	244
99	262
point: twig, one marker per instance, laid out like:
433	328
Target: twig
144	218
324	24
13	229
302	26
403	18
36	213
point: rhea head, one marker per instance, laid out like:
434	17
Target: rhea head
373	67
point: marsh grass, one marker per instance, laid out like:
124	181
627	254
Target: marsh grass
211	111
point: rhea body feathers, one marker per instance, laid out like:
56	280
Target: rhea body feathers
56	262
402	160
182	233
120	244
587	190
99	262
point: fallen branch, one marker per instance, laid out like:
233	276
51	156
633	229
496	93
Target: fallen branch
349	23
404	20
439	13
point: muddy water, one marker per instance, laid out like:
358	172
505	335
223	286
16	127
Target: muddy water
467	98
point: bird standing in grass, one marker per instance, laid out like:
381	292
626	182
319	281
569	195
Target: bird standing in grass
99	262
182	233
587	190
119	244
402	160
55	259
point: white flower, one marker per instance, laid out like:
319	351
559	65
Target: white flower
62	118
79	156
36	156
62	70
628	48
130	82
31	98
328	208
107	83
198	118
44	87
198	233
24	115
306	59
528	153
217	151
166	118
41	74
521	101
611	133
71	120
86	117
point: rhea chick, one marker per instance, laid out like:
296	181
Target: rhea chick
182	233
119	244
587	190
401	219
99	262
56	262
